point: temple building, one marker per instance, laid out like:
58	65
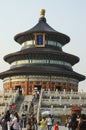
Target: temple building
41	62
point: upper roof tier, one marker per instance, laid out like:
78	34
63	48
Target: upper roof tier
42	27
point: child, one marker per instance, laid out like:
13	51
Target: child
56	126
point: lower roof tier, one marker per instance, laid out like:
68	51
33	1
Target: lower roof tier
41	53
42	70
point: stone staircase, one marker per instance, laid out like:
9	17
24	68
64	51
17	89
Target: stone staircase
19	102
23	100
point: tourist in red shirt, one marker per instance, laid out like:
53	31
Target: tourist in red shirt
56	127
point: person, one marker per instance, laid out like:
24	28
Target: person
4	123
56	126
52	117
33	122
68	123
49	122
30	123
16	124
7	119
82	122
43	123
26	107
24	118
37	94
2	115
11	115
74	122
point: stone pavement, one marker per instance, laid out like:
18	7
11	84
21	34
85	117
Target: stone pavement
60	128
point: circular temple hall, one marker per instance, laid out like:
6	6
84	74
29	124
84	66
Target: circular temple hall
41	61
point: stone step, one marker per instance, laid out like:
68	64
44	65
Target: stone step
19	102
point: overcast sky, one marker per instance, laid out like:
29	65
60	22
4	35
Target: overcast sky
65	16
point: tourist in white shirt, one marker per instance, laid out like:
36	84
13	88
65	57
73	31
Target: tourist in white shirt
49	122
16	122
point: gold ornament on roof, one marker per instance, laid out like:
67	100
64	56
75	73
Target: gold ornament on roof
42	12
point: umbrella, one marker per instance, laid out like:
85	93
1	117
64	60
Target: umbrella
47	113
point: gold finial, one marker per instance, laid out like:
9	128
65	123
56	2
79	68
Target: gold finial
42	12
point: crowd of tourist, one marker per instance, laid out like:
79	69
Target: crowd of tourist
45	123
76	122
10	120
